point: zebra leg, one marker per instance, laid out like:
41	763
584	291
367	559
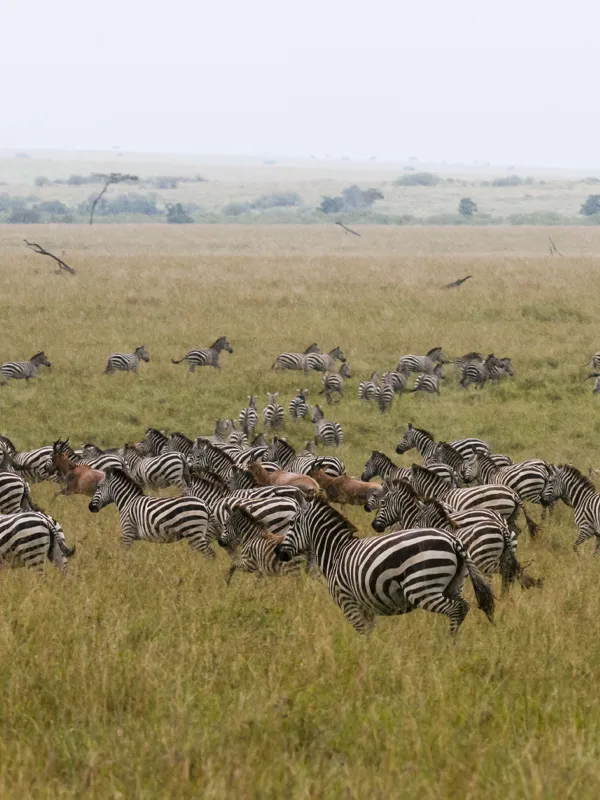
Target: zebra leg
455	607
230	572
361	619
128	534
191	368
198	541
585	533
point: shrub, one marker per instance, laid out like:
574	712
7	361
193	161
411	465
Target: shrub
42	180
591	206
25	216
418	179
277	200
177	215
131	203
235	209
467	207
331	205
510	180
54	207
351	198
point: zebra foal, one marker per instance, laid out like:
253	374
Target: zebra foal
209	357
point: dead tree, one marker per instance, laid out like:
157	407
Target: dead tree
346	228
37	248
457	283
114	177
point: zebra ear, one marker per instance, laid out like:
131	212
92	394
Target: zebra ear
410	426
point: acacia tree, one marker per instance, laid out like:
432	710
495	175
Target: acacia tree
467	207
591	206
113	177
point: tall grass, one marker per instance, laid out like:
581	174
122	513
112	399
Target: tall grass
140	675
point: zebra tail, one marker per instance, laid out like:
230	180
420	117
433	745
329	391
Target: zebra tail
532	526
187	475
510	568
526	581
177	362
593	375
482	589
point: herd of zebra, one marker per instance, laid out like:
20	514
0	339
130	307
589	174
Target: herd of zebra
451	517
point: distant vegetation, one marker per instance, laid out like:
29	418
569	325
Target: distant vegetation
351	198
419	179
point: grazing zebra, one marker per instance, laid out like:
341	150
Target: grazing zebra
127	362
328	433
386	575
294	361
27	539
14	494
430	383
157	472
384	395
298	407
257	546
398	379
368	389
15	370
568	484
495	497
153	519
32	465
324	362
249	416
493	369
426	445
179	443
273	412
333	382
424	363
209	357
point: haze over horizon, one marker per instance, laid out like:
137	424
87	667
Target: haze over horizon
508	86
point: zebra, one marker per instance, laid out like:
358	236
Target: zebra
209	357
528	478
273	412
153	519
27	539
15	495
495	497
568	484
179	443
157	472
32	465
368	389
595	362
379	464
324	362
386	575
303	463
155	441
238	438
596	375
468	358
384	395
298	407
249	416
492	369
295	361
15	370
426	445
430	382
127	362
333	382
398	379
257	546
426	363
328	433
275	510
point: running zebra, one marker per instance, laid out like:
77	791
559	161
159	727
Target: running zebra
492	369
386	575
328	433
127	362
568	484
298	407
209	357
153	519
368	389
257	545
528	479
379	464
384	395
324	362
472	357
157	472
32	465
14	494
426	445
430	383
28	539
284	455
595	362
397	379
179	443
15	370
273	412
249	416
333	382
424	363
296	361
155	442
496	497
596	382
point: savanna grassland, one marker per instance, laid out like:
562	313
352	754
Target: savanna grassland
140	675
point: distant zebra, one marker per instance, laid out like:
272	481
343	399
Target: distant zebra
257	546
127	362
153	519
426	445
15	370
14	494
209	357
28	539
298	407
324	362
569	485
424	363
238	438
472	357
157	472
397	379
295	361
430	383
384	395
273	412
249	416
333	382
328	433
493	369
386	575
368	389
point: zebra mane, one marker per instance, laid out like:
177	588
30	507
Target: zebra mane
240	508
448	451
405	486
156	432
206	476
8	445
416	468
433	350
215	447
427	433
572	471
441	510
322	504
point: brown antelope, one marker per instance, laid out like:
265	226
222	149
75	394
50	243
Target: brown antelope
79	478
345	490
280	477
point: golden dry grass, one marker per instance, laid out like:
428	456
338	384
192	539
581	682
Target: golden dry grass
139	675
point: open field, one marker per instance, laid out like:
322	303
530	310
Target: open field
140	675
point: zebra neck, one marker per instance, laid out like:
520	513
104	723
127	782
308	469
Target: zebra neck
578	494
424	445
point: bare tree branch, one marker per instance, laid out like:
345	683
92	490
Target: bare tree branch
114	177
37	248
553	248
346	228
457	283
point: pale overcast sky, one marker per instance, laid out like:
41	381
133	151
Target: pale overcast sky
512	82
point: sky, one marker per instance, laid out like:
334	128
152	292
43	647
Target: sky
457	80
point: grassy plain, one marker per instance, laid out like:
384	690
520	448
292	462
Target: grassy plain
139	675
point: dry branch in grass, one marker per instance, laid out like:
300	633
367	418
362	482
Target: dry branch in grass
37	248
346	228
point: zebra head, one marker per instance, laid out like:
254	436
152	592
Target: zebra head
337	353
374	500
221	344
563	482
313	348
470	469
371	467
273	398
252	398
103	496
40	360
408	441
316	414
344	370
142	353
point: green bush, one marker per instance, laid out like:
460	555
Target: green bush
418	179
277	200
591	206
236	209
